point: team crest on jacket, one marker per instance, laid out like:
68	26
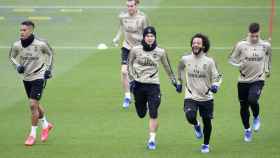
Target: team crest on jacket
155	55
35	49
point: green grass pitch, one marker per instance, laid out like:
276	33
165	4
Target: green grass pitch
83	100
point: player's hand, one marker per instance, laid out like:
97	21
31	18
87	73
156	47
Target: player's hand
20	69
48	74
269	39
214	88
179	88
115	42
174	83
267	74
132	85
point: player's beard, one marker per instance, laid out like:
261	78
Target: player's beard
196	52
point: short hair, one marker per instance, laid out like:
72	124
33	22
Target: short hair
28	23
136	1
254	27
205	41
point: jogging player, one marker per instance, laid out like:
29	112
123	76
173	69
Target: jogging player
202	80
132	24
144	61
33	59
252	56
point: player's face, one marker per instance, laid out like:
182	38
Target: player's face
254	37
131	7
150	39
25	31
197	45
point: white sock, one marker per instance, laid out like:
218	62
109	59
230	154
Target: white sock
33	131
249	129
44	122
152	137
127	95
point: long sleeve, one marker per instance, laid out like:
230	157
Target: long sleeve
216	77
131	59
13	55
167	67
146	22
46	49
234	58
119	33
181	71
268	60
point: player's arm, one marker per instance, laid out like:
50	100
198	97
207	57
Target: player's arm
181	71
146	22
49	52
181	75
234	58
12	56
46	49
216	77
131	59
167	67
268	61
118	35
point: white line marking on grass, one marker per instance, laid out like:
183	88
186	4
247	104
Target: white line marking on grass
39	18
95	48
24	10
143	7
71	10
2	18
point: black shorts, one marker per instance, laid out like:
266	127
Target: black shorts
205	108
124	56
147	97
246	90
34	89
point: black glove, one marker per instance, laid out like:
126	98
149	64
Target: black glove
48	74
179	88
20	69
174	83
132	85
214	88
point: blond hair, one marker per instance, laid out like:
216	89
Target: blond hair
136	1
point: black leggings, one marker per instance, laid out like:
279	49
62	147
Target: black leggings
207	125
249	94
206	109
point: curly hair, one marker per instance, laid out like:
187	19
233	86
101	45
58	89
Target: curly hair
205	41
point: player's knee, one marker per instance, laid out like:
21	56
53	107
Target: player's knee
244	105
207	121
191	116
252	100
153	114
141	114
124	70
34	105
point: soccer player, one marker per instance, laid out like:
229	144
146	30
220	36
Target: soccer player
33	58
253	58
202	80
144	61
132	24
